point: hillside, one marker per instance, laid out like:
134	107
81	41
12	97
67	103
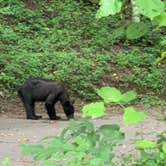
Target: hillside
63	40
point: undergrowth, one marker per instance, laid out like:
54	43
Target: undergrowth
63	40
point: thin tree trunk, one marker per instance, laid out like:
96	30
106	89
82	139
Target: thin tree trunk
135	12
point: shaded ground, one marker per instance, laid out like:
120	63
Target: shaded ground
15	129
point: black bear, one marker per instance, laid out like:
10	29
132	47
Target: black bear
38	89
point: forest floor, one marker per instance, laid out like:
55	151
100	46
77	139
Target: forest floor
15	129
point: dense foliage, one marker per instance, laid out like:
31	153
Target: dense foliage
63	40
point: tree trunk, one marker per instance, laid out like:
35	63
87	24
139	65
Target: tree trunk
135	12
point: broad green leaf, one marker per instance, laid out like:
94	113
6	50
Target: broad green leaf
108	129
102	152
93	137
135	30
164	148
112	133
110	94
108	7
162	155
94	110
145	144
161	19
128	96
131	116
150	8
118	32
104	155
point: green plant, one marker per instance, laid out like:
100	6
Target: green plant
152	153
12	74
81	143
113	95
136	30
84	72
5	162
38	40
141	69
152	9
150	100
147	77
163	43
37	32
80	73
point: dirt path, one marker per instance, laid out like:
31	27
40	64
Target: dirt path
15	129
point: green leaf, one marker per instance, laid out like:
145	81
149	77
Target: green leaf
131	116
83	144
128	96
96	161
145	144
46	154
79	140
162	156
135	30
94	110
150	8
109	94
164	148
48	163
151	163
161	19
31	149
104	154
108	7
159	59
108	129
5	162
112	133
79	127
57	156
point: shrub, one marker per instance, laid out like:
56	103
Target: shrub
141	69
80	73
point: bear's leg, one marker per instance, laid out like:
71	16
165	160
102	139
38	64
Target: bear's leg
49	104
29	108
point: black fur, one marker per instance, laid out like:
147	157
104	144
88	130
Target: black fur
48	91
